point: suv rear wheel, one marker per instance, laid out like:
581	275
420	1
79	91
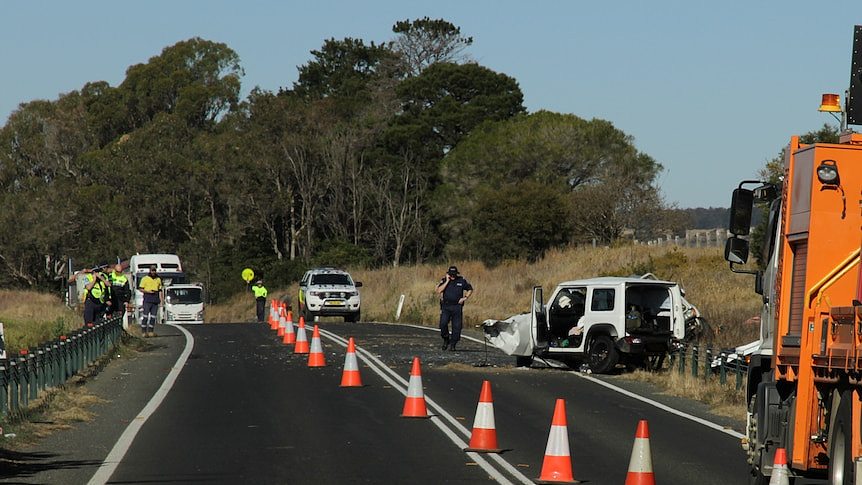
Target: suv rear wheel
602	355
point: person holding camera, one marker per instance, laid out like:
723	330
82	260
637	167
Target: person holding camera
453	291
96	294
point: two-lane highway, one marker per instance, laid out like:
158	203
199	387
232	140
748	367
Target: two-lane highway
244	408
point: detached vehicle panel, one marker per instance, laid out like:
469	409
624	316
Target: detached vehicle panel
602	321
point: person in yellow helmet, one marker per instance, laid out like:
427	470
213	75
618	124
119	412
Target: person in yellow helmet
260	294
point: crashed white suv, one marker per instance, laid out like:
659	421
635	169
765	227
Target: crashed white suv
329	292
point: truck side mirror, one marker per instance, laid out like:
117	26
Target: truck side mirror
741	207
758	283
736	250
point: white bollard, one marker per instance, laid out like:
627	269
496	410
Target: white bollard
400	307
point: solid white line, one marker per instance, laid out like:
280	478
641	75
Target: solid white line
394	379
707	423
107	468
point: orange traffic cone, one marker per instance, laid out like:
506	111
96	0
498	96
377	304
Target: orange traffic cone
289	334
316	358
414	405
281	323
640	465
484	437
350	377
272	311
557	466
273	315
301	340
780	473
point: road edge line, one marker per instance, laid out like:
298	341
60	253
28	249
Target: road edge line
121	447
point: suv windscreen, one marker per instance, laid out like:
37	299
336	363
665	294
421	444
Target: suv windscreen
331	279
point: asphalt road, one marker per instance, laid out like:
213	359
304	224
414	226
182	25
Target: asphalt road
246	409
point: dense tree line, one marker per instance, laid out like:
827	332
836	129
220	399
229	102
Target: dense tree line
379	154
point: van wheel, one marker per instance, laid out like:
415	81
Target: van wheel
352	318
602	355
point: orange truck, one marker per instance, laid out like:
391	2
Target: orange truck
805	378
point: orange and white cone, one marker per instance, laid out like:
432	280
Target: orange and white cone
301	346
557	465
414	404
350	376
484	436
282	323
273	315
272	312
640	465
316	357
780	473
289	334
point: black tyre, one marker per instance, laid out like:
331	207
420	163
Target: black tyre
602	355
353	318
308	315
840	443
521	361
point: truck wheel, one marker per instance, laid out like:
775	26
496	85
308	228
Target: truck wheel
840	443
522	361
602	355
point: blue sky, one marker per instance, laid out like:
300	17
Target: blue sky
711	90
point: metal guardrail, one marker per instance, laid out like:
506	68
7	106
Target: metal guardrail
50	364
710	364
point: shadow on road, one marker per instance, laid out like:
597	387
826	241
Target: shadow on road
14	464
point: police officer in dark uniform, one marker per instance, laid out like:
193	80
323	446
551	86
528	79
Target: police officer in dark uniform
453	291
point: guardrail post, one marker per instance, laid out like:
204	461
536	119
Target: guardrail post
707	364
14	385
4	390
694	360
722	369
40	370
25	377
64	359
33	369
682	352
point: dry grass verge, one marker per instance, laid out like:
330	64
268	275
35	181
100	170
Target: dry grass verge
723	399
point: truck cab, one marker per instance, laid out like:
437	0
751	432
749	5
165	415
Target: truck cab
169	269
601	321
184	303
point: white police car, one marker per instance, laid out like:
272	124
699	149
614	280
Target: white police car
329	292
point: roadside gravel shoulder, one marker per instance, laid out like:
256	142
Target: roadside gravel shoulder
124	386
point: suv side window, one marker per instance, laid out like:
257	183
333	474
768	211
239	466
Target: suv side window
603	300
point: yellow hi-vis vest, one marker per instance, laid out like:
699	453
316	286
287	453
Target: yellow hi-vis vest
259	291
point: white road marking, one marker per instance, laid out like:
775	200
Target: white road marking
400	384
664	407
107	468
